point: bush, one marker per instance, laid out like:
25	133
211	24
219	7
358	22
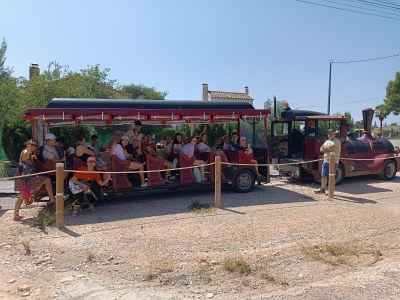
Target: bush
13	136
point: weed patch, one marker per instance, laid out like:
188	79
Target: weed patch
198	207
45	219
331	254
158	268
27	247
237	265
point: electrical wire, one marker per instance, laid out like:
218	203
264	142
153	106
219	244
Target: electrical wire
349	10
364	60
355	6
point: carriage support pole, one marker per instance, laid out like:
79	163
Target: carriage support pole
217	182
332	180
59	195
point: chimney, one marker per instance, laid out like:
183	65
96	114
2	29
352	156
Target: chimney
246	90
34	70
368	114
205	92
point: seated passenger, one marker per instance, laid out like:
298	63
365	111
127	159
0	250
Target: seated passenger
101	165
188	150
88	184
247	149
60	147
135	132
81	150
225	143
166	164
118	149
202	145
234	143
177	146
146	140
116	138
50	153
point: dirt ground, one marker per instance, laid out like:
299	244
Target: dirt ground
279	242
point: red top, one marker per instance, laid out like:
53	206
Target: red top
87	176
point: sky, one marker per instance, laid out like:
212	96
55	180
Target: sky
275	47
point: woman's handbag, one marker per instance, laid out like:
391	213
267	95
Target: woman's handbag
75	188
25	169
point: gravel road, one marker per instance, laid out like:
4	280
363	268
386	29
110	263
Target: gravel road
279	242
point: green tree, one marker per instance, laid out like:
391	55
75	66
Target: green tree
349	120
392	101
13	136
4	71
138	91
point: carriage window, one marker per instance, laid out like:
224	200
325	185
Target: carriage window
323	126
281	129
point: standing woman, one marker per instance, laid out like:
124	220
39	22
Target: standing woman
34	183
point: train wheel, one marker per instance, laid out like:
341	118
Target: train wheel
244	181
389	170
340	173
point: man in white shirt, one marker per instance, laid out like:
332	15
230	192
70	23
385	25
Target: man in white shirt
329	146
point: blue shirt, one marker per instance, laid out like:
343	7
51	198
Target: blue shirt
233	146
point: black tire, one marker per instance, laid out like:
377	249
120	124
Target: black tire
389	170
340	174
244	181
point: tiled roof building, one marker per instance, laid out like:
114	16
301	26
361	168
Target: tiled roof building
228	96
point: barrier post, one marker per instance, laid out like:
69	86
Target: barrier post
59	195
217	181
332	181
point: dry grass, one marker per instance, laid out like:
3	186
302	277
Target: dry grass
237	264
90	256
333	254
157	268
27	247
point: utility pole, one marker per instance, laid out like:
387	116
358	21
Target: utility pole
329	89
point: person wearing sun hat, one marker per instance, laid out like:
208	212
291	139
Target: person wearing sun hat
88	183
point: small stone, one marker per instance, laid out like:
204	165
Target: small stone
301	275
68	278
210	295
26	294
24	288
12	280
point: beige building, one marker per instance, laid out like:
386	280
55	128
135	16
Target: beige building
226	96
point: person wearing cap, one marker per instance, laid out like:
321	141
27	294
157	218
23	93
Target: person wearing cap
118	149
88	183
135	132
50	153
112	139
247	149
332	144
82	151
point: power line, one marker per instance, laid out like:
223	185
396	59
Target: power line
377	4
349	10
355	6
364	60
